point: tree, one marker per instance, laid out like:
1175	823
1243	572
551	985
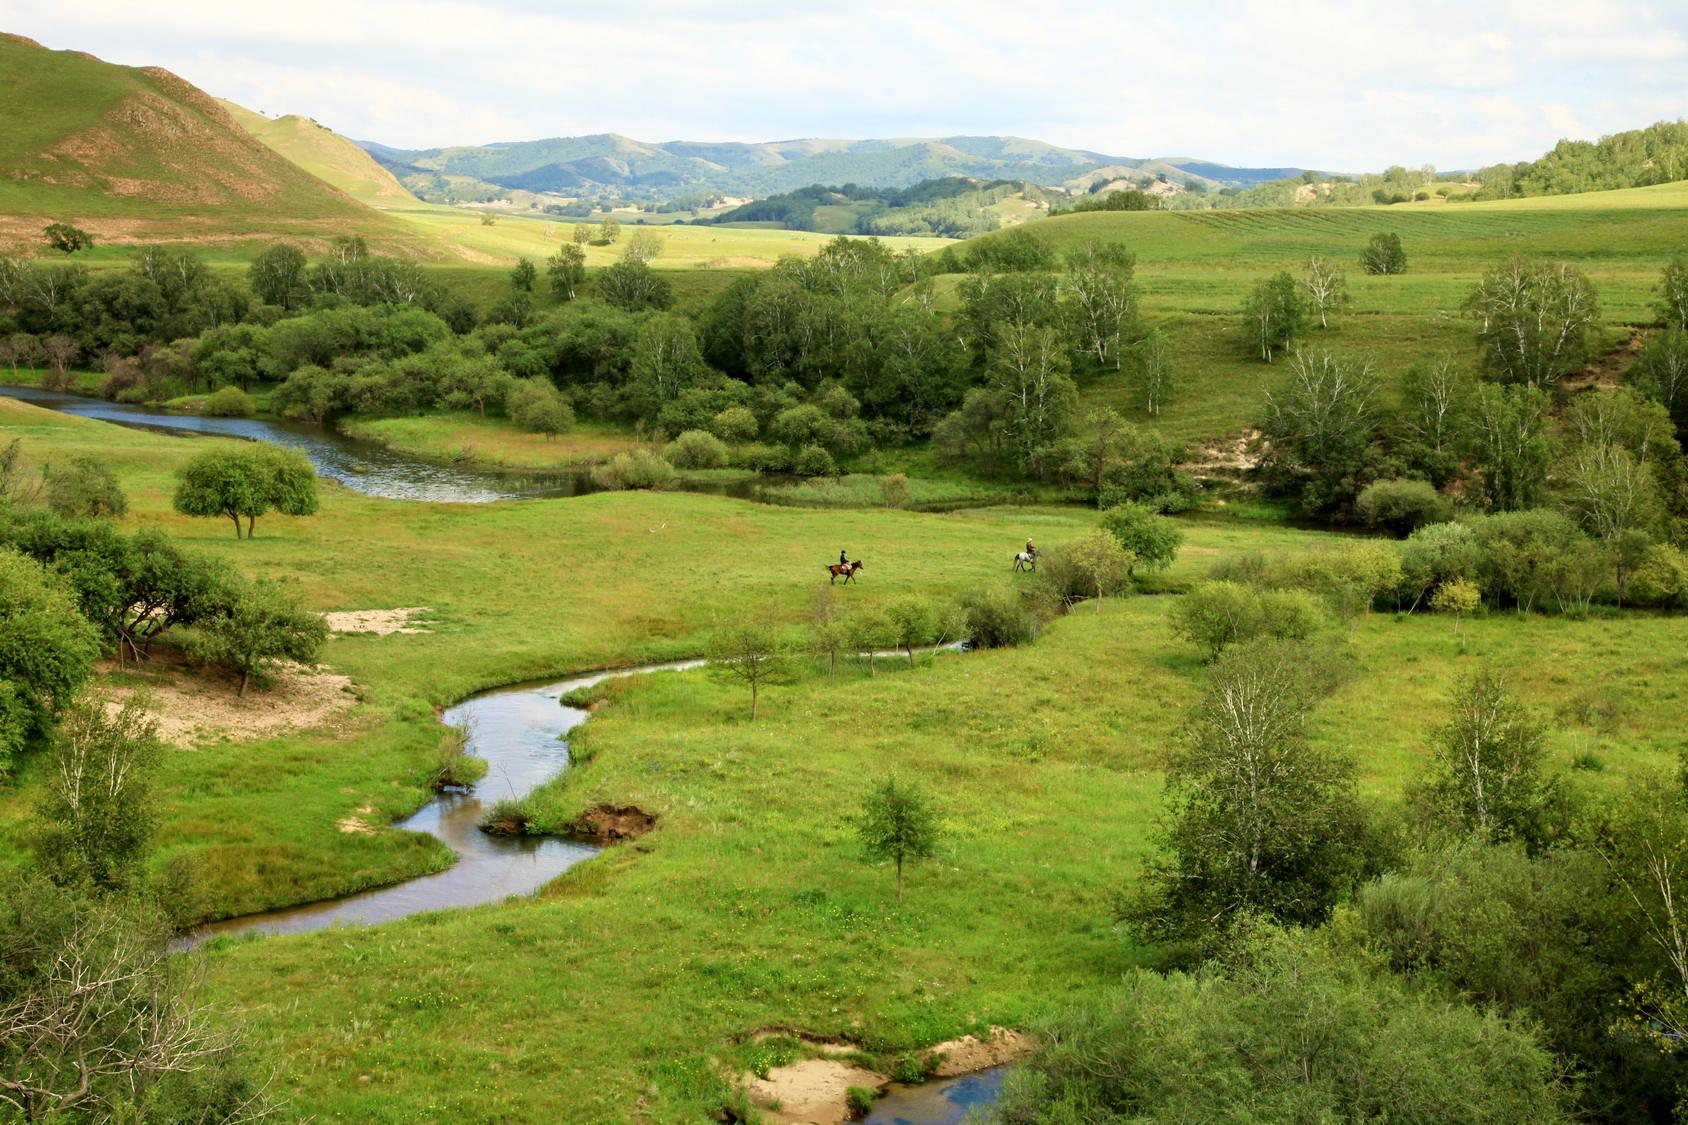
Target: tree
1487	774
1319	427
97	1018
488	218
643	248
1459	597
1673	294
1402	506
1152	371
1216	615
1101	303
61	352
98	805
665	362
898	822
1274	315
249	481
85	488
830	629
915	621
581	234
1431	423
1099	563
1384	255
635	287
1646	850
67	239
1609	491
1258	819
608	231
257	626
47	651
1029	369
278	276
1662	373
735	424
1327	289
1509	444
1149	538
1533	320
523	275
567	269
752	652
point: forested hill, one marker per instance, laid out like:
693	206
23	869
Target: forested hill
953	207
1657	154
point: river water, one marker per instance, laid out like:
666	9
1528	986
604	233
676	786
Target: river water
942	1101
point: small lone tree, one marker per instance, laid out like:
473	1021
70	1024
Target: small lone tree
1384	255
67	239
567	268
1099	562
1326	287
1275	314
830	629
1460	597
246	482
754	654
899	823
84	488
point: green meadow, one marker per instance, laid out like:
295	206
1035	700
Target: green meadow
631	987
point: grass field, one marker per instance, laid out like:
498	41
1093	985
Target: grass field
626	990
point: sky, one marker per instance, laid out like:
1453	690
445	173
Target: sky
1345	86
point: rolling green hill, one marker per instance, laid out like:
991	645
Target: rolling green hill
134	154
325	154
954	207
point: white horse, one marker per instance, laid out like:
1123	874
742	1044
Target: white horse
1025	560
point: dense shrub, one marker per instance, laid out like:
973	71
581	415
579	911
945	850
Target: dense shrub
228	402
47	650
1218	614
735	423
1402	506
997	617
1152	539
813	461
1350	577
1435	555
639	469
696	449
84	488
1662	578
537	407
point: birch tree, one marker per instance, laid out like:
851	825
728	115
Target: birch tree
1327	289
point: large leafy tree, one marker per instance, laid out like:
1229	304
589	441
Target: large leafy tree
1319	428
47	649
246	483
1533	320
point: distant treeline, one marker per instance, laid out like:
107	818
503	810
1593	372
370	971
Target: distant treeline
1657	154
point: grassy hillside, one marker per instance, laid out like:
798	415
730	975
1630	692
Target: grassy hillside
325	154
134	154
1195	269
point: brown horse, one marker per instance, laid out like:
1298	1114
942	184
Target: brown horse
846	571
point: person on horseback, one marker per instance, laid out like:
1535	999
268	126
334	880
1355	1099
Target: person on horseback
843	559
1030	550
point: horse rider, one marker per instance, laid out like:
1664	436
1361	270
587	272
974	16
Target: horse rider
1031	551
843	559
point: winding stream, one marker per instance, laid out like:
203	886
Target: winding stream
519	731
364	466
942	1101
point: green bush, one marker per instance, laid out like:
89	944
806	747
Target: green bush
997	617
860	1099
696	449
1152	539
537	407
1402	506
813	461
639	469
895	491
735	423
1661	580
228	402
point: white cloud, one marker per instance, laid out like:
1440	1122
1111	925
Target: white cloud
1329	83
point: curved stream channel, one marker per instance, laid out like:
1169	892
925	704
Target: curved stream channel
519	731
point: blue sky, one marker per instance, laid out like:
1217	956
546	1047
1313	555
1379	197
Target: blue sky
1349	86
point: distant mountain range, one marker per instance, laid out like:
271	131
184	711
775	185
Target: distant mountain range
611	164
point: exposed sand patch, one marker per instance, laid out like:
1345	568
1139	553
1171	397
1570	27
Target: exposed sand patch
380	622
970	1053
1231	456
810	1092
354	824
192	710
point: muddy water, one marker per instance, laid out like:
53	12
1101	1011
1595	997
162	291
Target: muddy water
364	466
943	1101
519	731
